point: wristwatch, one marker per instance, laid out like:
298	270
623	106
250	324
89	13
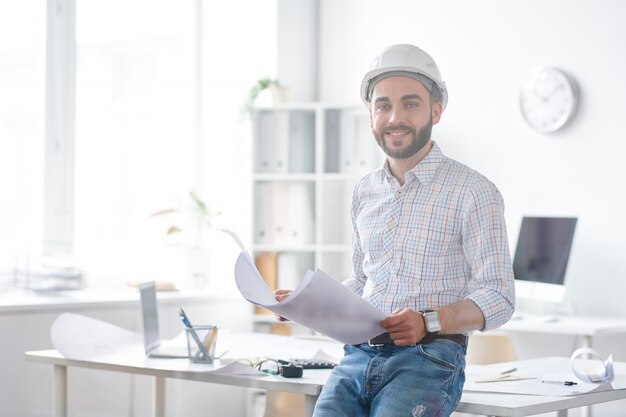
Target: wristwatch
431	321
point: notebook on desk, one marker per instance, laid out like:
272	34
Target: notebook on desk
153	344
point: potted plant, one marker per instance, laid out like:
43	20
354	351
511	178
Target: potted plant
278	92
195	220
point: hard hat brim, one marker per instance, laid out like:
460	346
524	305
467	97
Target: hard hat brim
370	76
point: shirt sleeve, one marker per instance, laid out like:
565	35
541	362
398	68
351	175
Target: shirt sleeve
486	249
356	281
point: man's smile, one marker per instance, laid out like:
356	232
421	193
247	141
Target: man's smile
397	135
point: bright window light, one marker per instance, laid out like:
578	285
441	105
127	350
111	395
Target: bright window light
22	99
136	136
148	128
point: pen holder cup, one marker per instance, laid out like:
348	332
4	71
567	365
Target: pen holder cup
207	337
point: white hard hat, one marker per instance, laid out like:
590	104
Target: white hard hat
408	61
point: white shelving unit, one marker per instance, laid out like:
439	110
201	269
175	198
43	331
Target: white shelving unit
307	157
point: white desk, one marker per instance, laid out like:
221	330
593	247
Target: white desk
506	405
584	326
587	327
310	384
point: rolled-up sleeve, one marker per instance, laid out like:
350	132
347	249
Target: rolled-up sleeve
486	250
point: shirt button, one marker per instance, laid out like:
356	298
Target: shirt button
390	224
386	257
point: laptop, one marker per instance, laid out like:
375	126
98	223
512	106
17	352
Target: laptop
151	338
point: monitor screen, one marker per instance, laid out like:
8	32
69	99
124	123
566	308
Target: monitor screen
543	249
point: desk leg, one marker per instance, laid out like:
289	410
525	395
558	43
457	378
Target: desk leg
60	391
159	397
309	405
586	341
561	413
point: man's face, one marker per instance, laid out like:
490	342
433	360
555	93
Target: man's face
402	116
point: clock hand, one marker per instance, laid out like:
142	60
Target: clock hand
541	97
555	89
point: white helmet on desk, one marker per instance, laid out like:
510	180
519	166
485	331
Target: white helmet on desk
407	61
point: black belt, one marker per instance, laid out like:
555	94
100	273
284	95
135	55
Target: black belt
385	339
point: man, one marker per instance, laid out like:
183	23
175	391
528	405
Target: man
429	249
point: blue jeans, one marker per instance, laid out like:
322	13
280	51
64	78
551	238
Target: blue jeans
425	380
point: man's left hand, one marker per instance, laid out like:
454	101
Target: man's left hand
405	326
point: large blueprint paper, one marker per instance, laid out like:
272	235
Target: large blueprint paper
81	337
319	303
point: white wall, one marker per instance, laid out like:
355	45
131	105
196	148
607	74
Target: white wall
484	49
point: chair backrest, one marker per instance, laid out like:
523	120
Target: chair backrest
492	347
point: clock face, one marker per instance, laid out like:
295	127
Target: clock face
548	99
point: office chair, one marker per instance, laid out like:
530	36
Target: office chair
488	348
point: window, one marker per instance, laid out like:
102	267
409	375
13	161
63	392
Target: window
159	88
22	73
134	138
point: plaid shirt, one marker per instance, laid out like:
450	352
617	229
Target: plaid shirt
438	239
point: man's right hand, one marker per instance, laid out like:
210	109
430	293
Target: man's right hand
280	295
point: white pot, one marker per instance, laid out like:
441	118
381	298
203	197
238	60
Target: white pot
198	261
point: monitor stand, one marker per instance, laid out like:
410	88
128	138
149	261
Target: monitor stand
537	298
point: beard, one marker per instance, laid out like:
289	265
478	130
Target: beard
419	140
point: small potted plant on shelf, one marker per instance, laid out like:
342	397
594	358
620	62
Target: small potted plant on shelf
195	219
278	92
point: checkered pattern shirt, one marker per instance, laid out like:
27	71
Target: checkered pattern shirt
438	239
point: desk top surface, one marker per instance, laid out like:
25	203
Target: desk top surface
313	381
571	324
181	368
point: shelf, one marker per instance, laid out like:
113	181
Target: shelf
284	177
307	158
283	248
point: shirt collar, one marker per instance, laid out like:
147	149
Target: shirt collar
425	169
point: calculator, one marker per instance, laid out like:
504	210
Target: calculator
313	363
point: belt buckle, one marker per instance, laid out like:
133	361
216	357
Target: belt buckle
369	342
380	340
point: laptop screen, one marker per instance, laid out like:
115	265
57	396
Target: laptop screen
149	312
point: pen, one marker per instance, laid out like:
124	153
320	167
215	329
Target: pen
187	323
508	371
210	339
566	383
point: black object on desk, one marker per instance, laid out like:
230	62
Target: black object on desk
310	363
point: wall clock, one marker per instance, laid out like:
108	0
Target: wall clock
548	99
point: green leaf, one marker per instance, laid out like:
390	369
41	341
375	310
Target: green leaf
200	205
166	211
174	229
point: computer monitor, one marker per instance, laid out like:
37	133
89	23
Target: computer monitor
541	257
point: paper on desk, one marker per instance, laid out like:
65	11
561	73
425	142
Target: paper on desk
319	303
253	347
76	336
236	368
602	373
529	383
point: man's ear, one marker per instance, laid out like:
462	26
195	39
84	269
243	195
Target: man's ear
371	120
436	112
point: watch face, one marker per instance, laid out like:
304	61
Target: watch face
431	319
548	99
